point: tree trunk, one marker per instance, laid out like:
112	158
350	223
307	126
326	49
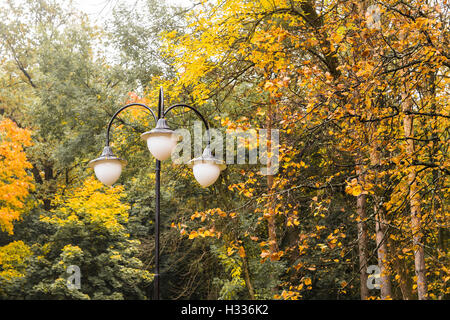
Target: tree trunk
362	241
271	216
437	181
405	281
414	200
380	229
361	201
247	278
381	238
362	244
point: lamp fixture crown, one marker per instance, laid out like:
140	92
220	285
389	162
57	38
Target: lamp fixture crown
207	157
107	154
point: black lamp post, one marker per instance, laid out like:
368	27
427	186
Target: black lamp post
160	141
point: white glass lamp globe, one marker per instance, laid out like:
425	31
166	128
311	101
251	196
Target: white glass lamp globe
107	167
108	171
161	145
206	168
161	141
206	173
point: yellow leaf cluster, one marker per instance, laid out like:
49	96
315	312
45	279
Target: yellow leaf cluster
12	259
91	204
15	183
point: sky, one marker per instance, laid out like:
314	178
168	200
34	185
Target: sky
103	8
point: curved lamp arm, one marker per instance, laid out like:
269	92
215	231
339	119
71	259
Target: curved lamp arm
196	112
160	142
120	110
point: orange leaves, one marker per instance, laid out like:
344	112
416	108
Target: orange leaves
355	188
241	252
293	292
333	79
15	183
208	215
134	98
214	40
203	233
307	281
273	86
193	235
274	256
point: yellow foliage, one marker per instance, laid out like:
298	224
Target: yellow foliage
342	81
12	259
91	204
15	183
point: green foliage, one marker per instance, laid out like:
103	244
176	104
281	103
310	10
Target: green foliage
229	289
90	232
333	87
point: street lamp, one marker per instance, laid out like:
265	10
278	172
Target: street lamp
161	142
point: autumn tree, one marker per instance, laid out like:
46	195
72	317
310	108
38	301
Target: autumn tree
90	232
326	68
358	91
16	182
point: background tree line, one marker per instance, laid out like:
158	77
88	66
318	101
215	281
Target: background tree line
358	90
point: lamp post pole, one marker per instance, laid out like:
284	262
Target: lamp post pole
160	141
157	203
157	208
